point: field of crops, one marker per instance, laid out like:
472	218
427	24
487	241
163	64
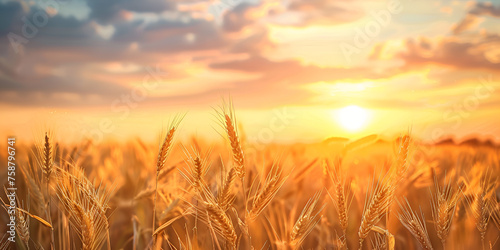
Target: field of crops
193	194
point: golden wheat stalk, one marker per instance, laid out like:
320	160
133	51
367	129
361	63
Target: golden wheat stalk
238	156
415	224
479	201
85	206
45	159
198	171
377	202
400	165
341	242
272	184
379	243
342	196
383	234
163	154
227	119
197	168
165	149
482	213
226	196
444	202
37	218
399	168
97	196
308	218
221	223
22	227
22	221
86	224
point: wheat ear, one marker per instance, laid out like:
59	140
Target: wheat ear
379	243
226	197
387	238
227	120
479	203
400	165
265	195
47	157
306	222
22	227
376	205
238	156
415	224
443	206
197	168
342	197
85	205
165	149
46	161
221	222
163	153
22	221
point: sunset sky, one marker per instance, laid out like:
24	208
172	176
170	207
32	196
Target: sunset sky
296	70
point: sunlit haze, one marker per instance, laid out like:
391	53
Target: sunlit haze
352	117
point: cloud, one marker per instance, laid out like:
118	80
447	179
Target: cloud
377	51
256	43
452	52
239	17
110	11
286	79
473	18
50	80
9	12
485	9
325	12
177	35
470	21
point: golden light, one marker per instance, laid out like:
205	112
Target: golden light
353	117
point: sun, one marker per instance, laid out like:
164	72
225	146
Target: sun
352	118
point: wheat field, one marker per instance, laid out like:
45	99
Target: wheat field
195	194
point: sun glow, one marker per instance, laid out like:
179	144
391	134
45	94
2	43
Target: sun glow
352	118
